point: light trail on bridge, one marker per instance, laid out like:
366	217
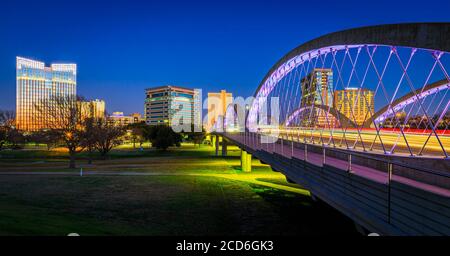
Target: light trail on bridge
370	139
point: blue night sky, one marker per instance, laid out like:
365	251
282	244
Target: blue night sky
123	47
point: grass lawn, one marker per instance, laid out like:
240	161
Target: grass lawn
160	205
185	191
41	154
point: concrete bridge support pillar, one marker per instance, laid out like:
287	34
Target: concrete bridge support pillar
217	145
246	161
243	160
249	162
224	147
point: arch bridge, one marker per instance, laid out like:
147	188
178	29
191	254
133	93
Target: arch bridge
363	123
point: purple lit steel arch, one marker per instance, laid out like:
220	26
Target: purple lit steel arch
432	36
406	100
230	115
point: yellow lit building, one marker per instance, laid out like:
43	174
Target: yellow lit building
217	107
93	109
119	119
35	83
355	103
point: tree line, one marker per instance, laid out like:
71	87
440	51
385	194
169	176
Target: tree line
68	127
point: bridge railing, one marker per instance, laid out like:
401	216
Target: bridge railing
390	166
394	167
382	168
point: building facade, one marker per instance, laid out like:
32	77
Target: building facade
317	88
356	104
166	103
36	83
93	109
217	107
119	119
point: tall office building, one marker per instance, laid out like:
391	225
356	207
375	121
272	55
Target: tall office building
163	104
317	88
217	107
36	83
356	104
93	109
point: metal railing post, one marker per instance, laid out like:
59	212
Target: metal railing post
306	152
349	162
324	155
292	148
390	169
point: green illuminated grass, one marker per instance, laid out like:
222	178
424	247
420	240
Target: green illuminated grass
185	191
162	205
279	181
123	151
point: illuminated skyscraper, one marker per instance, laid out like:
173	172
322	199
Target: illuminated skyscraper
35	83
317	88
93	109
163	104
355	103
217	106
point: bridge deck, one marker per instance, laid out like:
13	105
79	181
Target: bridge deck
317	159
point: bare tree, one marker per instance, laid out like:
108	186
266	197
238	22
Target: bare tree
7	118
90	139
47	137
15	139
63	118
137	133
3	137
107	136
8	133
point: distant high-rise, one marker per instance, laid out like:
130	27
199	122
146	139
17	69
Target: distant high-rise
119	119
36	83
356	104
93	109
217	107
163	104
317	88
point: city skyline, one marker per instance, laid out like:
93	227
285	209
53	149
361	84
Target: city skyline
224	122
356	122
150	53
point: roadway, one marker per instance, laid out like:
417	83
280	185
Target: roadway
392	141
